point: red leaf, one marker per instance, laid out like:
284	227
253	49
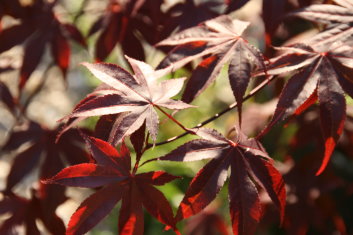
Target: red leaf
271	180
156	177
61	51
219	39
203	188
117	185
248	161
323	75
87	175
245	208
332	111
6	97
14	35
34	50
139	95
24	163
156	204
74	34
94	209
108	156
109	37
131	214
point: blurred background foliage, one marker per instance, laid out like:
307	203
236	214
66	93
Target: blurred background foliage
316	205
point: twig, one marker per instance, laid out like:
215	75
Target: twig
217	115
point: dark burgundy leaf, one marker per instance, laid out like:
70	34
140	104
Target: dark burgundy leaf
42	151
220	38
320	77
24	163
190	13
332	110
94	209
131	214
34	50
155	203
13	36
338	18
108	156
156	177
248	162
325	13
207	222
138	140
109	37
271	180
244	202
235	4
61	51
104	125
28	212
112	172
87	175
6	97
137	95
73	32
204	187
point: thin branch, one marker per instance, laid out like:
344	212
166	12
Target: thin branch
173	119
217	115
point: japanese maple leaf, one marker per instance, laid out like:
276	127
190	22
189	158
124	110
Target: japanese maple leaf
207	222
190	13
39	26
136	96
322	76
220	41
119	25
7	98
250	167
339	19
112	172
41	152
314	208
41	206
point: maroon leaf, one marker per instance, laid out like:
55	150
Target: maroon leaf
112	171
109	37
125	22
136	95
61	51
38	26
131	214
13	36
325	13
34	50
204	188
320	76
271	180
249	164
207	222
27	211
221	39
73	32
6	97
42	152
244	202
329	14
94	209
24	163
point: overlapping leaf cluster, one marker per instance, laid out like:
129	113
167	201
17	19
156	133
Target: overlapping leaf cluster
317	74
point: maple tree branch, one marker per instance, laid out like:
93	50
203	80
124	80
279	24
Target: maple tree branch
217	115
173	119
